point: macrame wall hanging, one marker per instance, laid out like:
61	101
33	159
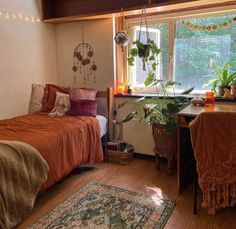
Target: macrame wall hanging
209	27
83	62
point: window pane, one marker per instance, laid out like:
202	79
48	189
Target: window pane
197	50
160	34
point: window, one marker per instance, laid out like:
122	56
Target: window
195	51
160	34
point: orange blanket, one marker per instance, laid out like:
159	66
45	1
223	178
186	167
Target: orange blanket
65	143
213	138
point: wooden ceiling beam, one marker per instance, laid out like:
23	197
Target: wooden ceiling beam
71	10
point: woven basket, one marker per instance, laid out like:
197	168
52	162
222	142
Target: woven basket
120	157
165	143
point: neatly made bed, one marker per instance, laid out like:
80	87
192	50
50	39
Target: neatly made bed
63	142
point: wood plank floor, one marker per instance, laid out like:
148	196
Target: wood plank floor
140	176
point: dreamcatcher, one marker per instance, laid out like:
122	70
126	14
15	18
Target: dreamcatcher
83	62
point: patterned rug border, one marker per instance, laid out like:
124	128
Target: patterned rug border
165	215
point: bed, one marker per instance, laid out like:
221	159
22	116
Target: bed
64	143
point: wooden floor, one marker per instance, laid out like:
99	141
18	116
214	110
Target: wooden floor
141	176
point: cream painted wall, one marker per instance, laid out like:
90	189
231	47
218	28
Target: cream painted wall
28	55
134	132
99	34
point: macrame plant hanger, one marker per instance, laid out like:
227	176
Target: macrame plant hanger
83	62
144	17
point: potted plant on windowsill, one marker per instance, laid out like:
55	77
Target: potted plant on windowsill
221	79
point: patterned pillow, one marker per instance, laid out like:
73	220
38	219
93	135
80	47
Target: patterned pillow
83	94
50	96
83	108
36	100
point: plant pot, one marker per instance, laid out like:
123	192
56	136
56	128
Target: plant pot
221	91
233	88
165	145
144	51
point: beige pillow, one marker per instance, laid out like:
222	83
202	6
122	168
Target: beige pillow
36	100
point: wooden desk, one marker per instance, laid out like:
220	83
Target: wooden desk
186	160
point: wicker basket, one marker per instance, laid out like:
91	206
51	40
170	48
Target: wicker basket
119	156
165	144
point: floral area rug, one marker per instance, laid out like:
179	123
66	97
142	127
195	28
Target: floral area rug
102	206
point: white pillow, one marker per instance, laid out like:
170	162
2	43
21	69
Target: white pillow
36	100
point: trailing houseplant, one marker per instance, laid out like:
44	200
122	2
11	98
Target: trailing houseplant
147	50
222	78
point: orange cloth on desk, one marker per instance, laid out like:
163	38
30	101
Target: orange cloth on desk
213	136
65	143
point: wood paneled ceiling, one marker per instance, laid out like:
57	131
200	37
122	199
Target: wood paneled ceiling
57	11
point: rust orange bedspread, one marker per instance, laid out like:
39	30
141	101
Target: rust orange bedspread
65	143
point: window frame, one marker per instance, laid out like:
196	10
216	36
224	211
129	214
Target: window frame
171	19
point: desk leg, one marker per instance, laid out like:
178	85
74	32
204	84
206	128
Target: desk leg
186	161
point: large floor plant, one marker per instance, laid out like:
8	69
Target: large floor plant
160	111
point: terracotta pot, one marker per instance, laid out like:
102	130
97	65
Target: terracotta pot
221	90
233	88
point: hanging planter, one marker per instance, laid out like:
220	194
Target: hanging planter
146	50
122	38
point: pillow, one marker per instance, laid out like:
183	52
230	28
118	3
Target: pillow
36	100
50	96
83	94
83	108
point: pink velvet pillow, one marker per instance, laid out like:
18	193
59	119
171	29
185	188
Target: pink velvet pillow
83	94
83	108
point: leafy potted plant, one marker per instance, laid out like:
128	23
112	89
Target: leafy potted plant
221	79
233	88
161	113
147	50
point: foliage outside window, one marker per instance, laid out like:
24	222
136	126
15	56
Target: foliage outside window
195	51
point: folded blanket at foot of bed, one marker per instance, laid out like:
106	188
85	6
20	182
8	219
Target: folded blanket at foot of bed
22	172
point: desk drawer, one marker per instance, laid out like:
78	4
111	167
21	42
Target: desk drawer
185	120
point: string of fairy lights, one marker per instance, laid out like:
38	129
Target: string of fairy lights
14	16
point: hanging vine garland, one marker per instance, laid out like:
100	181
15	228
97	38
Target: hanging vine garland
83	61
209	27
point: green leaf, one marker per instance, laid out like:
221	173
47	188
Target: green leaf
154	66
129	117
188	91
149	80
172	108
151	58
170	127
134	52
122	104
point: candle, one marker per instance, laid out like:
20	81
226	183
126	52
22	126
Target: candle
120	89
209	97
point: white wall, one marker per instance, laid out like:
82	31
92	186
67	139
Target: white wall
99	34
28	55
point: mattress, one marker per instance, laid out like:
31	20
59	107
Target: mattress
103	124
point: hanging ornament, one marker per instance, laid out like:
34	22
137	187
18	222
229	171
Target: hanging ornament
83	60
122	38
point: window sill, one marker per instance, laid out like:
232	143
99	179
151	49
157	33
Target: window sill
217	99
